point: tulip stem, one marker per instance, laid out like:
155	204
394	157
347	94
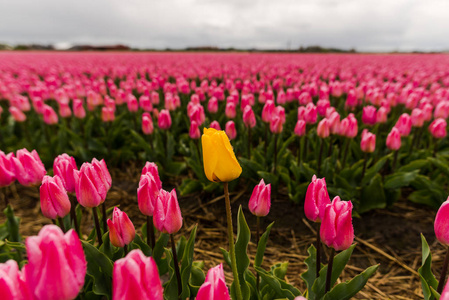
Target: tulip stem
61	224
175	262
443	272
238	290
299	151
266	139
395	159
320	154
125	248
306	141
105	224
345	155
73	217
275	153
150	233
257	245
5	198
329	270
249	142
318	252
97	225
435	147
365	159
329	151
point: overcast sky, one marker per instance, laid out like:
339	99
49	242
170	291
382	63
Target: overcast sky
381	25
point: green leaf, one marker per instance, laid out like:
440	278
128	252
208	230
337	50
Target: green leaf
340	261
399	179
100	259
197	277
189	186
186	265
440	164
280	287
99	268
261	246
347	290
158	251
171	286
373	195
428	280
309	276
414	165
12	223
374	170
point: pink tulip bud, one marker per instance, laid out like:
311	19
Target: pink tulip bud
50	116
230	130
249	119
12	283
310	114
321	106
394	139
145	103
404	124
215	125
64	110
368	143
418	117
151	168
230	110
317	198
276	125
212	105
334	122
267	111
136	277
438	128
28	167
260	201
147	124
133	105
301	113
300	298
54	199
300	128
121	229
78	109
196	113
17	114
280	112
147	193
194	132
56	265
63	166
107	114
441	224
445	292
427	109
323	128
7	171
155	98
336	229
164	120
214	287
369	115
167	214
382	115
92	183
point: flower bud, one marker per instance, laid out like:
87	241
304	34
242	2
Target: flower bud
28	167
369	115
404	124
121	229
300	128
7	172
164	120
231	132
151	167
17	114
323	128
260	201
310	114
267	111
92	183
214	287
394	139
438	128
147	124
50	116
54	199
230	110
249	119
212	105
368	143
78	109
215	125
441	225
167	214
12	283
194	132
317	198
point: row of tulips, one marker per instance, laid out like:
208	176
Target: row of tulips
60	264
288	117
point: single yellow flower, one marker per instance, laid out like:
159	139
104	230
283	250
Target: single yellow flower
220	163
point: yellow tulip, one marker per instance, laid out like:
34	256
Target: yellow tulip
220	163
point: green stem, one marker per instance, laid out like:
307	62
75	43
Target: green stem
97	225
443	272
320	154
395	159
249	142
257	245
275	152
105	224
175	261
235	273
329	271
365	159
345	155
61	223
299	151
150	233
73	217
125	248
318	251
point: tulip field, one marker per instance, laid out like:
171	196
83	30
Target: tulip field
247	176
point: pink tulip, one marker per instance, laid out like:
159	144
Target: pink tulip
394	139
197	114
404	124
267	111
92	183
136	277
147	124
145	103
230	110
260	201
317	198
438	128
78	109
214	287
310	114
212	105
121	229
336	228
230	130
323	128
133	105
7	171
382	115
321	106
445	292
151	168
54	199
64	110
63	166
147	193
50	116
418	117
167	214
441	225
17	114
28	167
300	128
56	264
164	120
368	143
12	284
215	125
107	114
194	132
348	126
334	122
369	115
249	119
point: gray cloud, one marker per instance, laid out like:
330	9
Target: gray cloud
364	24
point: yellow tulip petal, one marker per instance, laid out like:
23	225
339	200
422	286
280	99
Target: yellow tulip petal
210	157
